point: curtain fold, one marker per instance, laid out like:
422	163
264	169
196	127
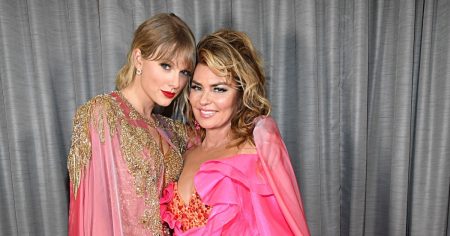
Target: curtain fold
360	91
34	177
390	110
430	170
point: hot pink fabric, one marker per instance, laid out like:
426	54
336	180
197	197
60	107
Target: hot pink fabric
279	173
250	194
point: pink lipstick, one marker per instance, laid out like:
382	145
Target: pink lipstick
168	94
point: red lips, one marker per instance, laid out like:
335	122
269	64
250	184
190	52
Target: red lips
168	94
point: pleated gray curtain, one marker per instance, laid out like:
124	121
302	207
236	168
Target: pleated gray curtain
360	90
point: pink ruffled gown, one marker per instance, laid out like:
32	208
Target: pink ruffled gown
246	194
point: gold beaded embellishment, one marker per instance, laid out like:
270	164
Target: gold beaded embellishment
136	143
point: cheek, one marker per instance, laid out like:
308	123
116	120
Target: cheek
193	97
231	102
226	103
149	80
183	83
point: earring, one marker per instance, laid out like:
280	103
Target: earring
197	125
138	71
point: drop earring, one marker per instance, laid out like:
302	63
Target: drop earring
197	125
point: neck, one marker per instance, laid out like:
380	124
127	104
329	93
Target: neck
216	138
138	99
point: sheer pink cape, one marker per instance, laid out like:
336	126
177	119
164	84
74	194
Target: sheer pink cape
250	194
96	208
278	169
106	202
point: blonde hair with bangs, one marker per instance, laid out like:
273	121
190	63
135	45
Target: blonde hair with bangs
162	37
232	54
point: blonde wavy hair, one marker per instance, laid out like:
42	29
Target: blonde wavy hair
231	54
162	37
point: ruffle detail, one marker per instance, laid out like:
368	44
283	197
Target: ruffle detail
217	181
167	216
242	201
236	168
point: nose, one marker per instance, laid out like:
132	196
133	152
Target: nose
204	98
175	82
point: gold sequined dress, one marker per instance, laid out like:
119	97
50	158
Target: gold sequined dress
117	169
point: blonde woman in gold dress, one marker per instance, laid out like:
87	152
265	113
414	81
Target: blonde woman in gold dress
122	155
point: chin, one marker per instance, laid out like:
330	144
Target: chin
208	125
165	102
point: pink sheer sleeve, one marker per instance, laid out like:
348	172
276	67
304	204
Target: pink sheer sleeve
280	175
94	209
89	209
102	196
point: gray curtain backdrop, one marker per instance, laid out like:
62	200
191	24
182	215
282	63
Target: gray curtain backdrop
360	90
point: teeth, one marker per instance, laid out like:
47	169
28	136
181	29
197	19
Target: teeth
207	113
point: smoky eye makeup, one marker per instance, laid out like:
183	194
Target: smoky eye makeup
165	66
186	73
195	86
220	88
215	88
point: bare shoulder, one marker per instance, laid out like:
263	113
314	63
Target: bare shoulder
247	148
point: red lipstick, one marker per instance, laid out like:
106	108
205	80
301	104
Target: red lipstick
168	94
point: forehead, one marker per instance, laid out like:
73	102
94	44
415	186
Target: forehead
205	75
181	62
181	58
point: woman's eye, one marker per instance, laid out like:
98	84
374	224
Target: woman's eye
220	90
165	66
186	74
195	87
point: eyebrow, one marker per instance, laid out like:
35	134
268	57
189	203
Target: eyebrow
212	85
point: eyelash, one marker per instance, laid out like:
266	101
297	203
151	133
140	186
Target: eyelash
186	74
216	90
195	87
220	90
165	66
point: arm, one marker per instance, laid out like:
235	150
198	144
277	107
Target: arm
89	208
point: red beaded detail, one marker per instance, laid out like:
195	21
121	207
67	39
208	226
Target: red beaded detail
193	215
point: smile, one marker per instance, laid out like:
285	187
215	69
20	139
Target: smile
206	113
168	94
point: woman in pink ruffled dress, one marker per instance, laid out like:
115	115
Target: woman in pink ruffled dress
239	179
122	155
